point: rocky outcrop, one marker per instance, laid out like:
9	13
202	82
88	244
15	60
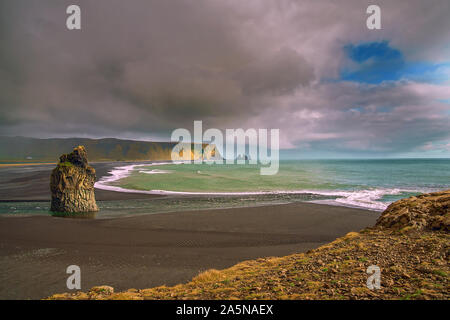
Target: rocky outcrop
72	183
427	211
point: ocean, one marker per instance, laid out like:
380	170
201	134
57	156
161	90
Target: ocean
370	184
367	184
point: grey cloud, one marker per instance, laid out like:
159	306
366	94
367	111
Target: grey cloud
139	66
139	69
343	117
280	74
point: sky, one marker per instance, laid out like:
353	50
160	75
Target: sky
139	69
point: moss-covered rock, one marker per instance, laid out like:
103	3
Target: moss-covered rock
427	211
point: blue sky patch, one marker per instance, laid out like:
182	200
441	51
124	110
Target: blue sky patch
375	62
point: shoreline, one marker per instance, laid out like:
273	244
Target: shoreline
31	184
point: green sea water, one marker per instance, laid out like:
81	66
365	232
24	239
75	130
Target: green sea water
370	184
226	178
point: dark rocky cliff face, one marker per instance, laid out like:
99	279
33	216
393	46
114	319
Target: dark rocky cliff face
72	183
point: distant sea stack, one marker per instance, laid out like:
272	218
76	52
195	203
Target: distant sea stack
72	183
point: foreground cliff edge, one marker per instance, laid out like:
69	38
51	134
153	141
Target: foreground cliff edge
409	243
72	184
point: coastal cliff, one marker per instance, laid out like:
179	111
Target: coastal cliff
32	150
409	243
72	183
428	211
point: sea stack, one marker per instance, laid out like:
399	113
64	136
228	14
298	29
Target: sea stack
72	183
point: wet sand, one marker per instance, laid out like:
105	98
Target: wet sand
159	249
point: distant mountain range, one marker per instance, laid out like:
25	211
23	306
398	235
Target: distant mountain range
22	149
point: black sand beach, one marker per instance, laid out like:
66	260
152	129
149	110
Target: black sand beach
152	250
149	250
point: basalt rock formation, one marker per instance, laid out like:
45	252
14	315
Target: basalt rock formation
72	183
427	211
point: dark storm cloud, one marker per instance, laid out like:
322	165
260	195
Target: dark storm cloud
143	66
139	69
279	74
